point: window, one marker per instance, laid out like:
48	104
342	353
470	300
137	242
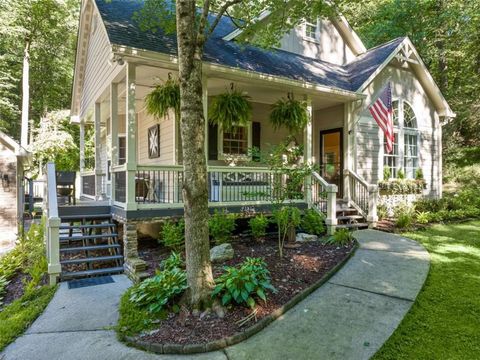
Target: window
405	149
122	150
235	142
311	29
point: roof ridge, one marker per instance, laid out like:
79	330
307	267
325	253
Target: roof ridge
376	48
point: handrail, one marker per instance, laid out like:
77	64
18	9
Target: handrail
351	173
320	179
362	195
324	200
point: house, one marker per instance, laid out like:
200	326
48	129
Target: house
12	158
136	173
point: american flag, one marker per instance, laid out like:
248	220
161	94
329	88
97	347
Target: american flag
382	112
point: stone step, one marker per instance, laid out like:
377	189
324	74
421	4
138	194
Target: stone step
91	259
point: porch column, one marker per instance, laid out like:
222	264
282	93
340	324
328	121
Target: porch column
307	149
131	139
113	135
205	112
347	157
82	145
98	149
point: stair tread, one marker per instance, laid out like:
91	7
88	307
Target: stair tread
349	217
86	216
355	225
76	274
87	226
84	237
90	248
92	259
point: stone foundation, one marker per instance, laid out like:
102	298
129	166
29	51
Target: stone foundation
135	268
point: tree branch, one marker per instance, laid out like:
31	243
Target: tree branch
221	12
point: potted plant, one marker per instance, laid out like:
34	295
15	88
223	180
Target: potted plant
230	109
290	114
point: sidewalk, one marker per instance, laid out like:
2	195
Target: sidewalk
349	317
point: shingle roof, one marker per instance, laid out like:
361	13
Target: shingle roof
123	30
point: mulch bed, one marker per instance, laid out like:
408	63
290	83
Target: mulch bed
299	269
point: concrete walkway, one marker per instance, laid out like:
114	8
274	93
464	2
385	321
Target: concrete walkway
349	317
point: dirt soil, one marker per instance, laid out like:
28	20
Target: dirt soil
298	269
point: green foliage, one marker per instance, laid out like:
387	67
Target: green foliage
159	292
313	222
164	98
174	261
3	288
401	186
400	174
443	319
244	283
341	237
387	173
172	234
221	226
419	174
290	114
423	217
230	109
287	219
258	226
382	212
404	216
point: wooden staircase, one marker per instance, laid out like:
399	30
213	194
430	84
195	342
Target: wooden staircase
89	246
349	217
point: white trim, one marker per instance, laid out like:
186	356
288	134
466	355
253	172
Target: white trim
223	156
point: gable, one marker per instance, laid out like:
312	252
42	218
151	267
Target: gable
327	45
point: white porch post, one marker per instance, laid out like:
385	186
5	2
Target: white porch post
373	195
331	219
131	140
113	135
347	145
205	111
82	145
307	149
98	155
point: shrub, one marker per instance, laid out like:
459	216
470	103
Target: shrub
387	173
401	186
423	217
287	219
341	237
173	235
258	225
312	222
404	215
401	174
3	288
382	212
221	226
174	261
244	283
159	292
419	174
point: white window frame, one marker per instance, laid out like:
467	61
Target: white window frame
224	156
401	131
306	35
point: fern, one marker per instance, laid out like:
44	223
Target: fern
289	113
163	98
230	109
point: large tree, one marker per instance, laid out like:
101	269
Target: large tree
37	44
192	24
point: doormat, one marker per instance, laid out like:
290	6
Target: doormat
75	284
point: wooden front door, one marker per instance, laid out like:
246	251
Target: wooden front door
331	157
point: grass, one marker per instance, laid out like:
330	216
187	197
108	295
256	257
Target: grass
444	322
28	257
17	316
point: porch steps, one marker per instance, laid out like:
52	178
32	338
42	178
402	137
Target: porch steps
349	217
89	246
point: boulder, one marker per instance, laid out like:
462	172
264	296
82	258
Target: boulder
221	253
302	237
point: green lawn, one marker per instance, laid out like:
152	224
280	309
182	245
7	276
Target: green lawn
444	322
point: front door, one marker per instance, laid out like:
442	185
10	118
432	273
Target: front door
331	157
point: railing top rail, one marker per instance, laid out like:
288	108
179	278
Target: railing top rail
356	177
320	179
87	173
52	191
217	168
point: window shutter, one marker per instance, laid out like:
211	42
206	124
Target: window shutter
212	142
256	132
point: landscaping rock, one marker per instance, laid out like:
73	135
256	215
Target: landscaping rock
221	253
302	237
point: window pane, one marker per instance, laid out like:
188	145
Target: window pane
311	29
411	155
395	113
391	159
122	150
409	118
236	141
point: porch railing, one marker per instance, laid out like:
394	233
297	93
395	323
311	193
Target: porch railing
362	195
324	200
88	183
52	223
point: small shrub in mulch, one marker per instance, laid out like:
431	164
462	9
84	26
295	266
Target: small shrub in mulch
299	269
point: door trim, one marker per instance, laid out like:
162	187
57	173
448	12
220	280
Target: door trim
332	131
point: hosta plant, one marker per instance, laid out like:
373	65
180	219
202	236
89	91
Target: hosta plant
312	222
174	261
159	292
341	237
244	283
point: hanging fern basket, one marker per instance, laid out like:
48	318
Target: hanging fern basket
230	109
164	98
290	114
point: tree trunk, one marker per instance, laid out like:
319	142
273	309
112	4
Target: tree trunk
25	94
195	194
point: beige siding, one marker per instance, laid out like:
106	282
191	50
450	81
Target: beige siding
329	45
98	69
369	139
167	143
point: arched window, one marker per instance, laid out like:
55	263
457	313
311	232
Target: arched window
405	148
